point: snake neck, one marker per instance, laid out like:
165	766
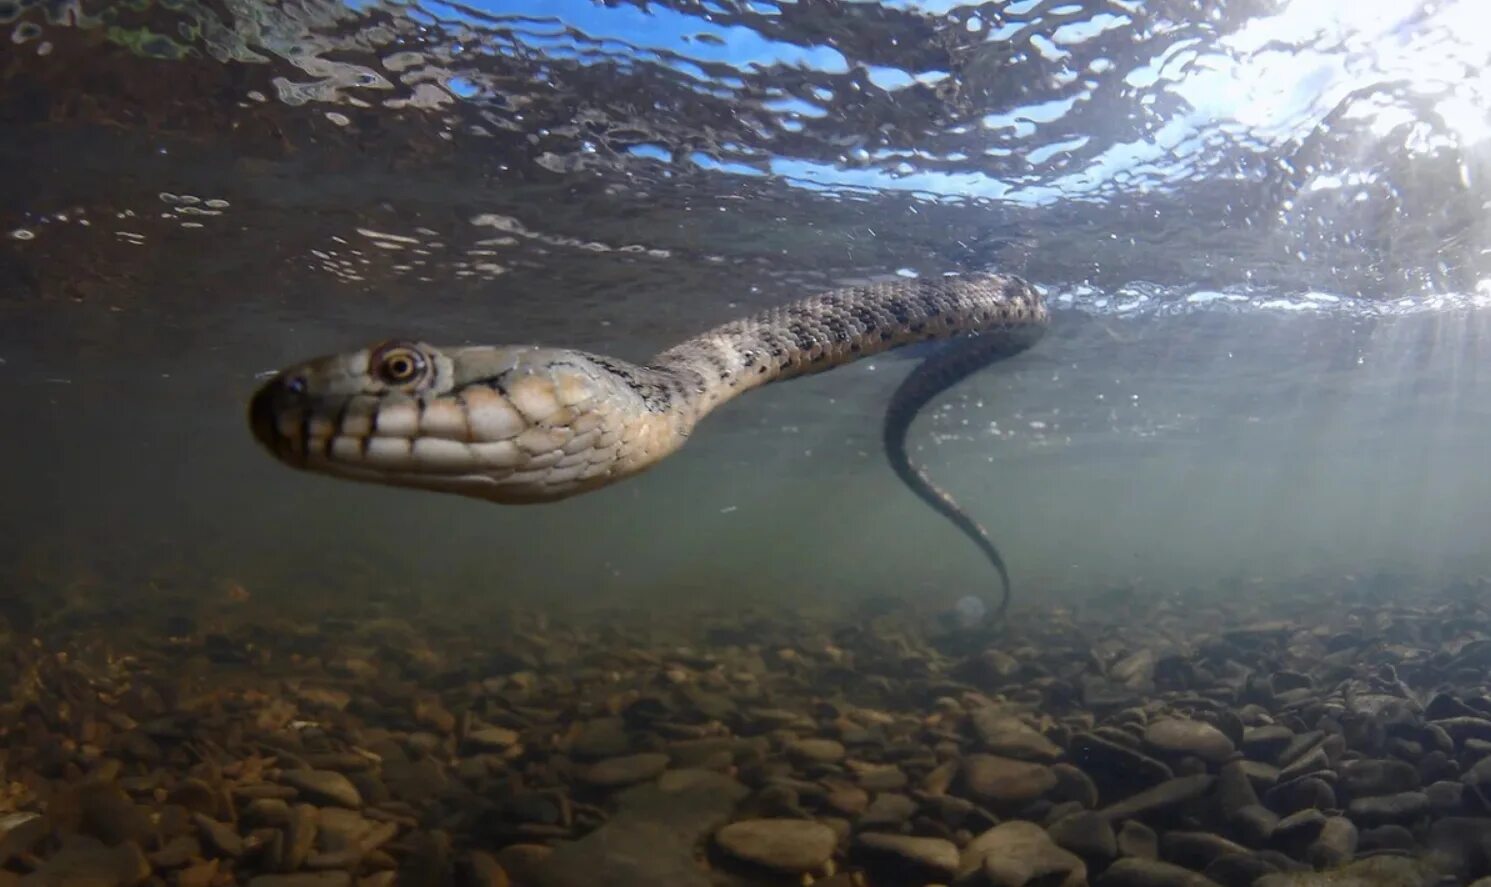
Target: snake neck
834	328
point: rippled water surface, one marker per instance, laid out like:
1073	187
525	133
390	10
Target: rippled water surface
1262	224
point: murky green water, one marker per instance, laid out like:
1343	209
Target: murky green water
1267	265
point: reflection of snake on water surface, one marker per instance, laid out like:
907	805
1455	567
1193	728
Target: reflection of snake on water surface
523	424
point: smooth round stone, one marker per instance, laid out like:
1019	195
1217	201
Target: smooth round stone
1005	779
1180	736
1086	834
323	787
786	845
1018	852
492	738
816	751
625	770
933	854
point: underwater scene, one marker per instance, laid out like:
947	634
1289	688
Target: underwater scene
738	443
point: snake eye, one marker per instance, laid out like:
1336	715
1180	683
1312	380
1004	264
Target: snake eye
397	364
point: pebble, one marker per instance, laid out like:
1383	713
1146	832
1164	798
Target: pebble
786	845
625	770
1014	853
1404	807
1377	871
1164	796
1336	844
1179	736
816	751
1087	834
936	856
1266	743
1137	840
1011	737
1006	780
323	787
887	811
1361	778
492	738
1149	755
303	879
1150	873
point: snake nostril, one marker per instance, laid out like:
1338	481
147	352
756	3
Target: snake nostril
295	384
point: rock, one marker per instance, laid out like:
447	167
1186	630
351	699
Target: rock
1385	837
1011	737
1197	850
1073	785
200	874
887	811
1150	873
1006	780
1254	824
1234	790
176	852
649	840
1086	834
784	845
1463	728
1307	793
85	860
323	787
300	835
1312	761
1180	736
1377	871
816	751
1017	852
934	856
219	836
1116	769
882	778
492	738
1298	745
107	813
1336	844
602	738
483	870
849	800
1403	807
1298	831
20	833
303	879
195	795
1446	798
1168	794
1459	845
523	861
1137	840
1266	743
625	770
1239	871
1368	777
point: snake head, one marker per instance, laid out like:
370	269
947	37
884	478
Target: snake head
501	423
307	406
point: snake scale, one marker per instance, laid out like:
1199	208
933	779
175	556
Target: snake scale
526	424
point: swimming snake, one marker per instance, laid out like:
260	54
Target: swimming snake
526	424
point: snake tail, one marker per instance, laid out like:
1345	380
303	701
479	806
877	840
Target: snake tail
938	372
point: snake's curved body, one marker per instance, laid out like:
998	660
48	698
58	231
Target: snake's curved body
526	424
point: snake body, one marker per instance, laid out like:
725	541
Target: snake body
527	424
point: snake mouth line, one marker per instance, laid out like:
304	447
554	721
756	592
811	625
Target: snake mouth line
264	412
